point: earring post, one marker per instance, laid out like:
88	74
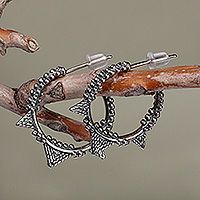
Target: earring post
94	62
155	60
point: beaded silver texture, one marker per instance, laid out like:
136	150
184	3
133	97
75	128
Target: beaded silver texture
101	134
56	151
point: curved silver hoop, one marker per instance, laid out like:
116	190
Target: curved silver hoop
101	133
56	151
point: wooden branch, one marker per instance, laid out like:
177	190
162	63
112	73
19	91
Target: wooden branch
3	4
10	38
132	83
49	118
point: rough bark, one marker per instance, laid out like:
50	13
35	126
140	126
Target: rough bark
134	83
10	38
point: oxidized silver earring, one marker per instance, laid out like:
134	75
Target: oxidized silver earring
56	151
101	135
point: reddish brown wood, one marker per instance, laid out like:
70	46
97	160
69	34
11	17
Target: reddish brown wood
10	38
49	118
132	83
143	82
63	124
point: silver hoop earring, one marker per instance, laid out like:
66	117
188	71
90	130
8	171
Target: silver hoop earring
101	133
56	151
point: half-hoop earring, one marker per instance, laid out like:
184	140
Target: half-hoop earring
100	133
101	136
56	151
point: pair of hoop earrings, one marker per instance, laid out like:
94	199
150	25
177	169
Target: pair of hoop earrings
101	134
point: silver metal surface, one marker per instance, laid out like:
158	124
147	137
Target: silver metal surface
101	133
56	151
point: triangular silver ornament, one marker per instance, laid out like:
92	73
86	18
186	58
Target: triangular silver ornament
80	108
27	121
140	140
54	156
98	145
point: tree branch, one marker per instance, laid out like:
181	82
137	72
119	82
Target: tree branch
10	38
134	83
49	118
